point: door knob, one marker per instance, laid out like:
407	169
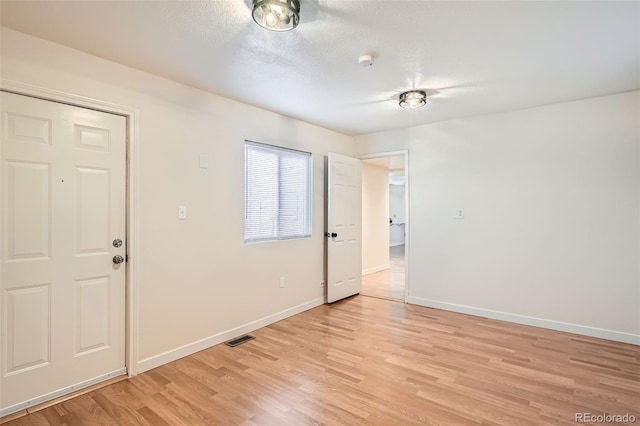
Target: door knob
117	259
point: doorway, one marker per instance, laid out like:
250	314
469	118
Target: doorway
384	225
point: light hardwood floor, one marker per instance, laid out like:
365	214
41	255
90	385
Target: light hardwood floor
377	362
387	284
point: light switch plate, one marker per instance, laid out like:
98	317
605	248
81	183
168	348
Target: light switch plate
182	212
458	213
204	161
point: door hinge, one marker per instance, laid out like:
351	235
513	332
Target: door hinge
126	257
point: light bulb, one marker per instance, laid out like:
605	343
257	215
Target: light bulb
413	99
276	15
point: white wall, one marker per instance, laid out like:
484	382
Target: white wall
397	208
397	234
375	218
196	277
397	203
551	197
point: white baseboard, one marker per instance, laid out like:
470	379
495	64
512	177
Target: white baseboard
584	330
375	269
207	342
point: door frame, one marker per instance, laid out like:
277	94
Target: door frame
131	275
405	154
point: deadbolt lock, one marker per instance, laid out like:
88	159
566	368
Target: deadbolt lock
117	242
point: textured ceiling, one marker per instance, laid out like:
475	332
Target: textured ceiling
477	57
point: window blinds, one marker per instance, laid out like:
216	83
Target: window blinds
277	193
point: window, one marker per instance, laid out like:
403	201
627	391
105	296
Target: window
277	193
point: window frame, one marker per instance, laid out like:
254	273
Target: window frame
309	192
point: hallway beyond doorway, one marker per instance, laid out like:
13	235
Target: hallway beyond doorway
387	284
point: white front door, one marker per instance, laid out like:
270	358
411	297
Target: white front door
63	189
344	221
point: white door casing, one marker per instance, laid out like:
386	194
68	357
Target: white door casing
344	218
63	172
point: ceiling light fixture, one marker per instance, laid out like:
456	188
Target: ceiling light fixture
413	99
276	15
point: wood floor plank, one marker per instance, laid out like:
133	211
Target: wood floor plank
370	361
14	416
151	417
388	283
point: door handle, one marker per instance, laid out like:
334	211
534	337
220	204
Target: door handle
117	259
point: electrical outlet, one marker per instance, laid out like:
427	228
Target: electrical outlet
281	282
458	213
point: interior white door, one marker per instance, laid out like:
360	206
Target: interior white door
63	189
344	221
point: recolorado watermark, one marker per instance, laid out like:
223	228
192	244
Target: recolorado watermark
604	418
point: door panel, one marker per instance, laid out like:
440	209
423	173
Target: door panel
92	228
344	216
63	172
29	227
25	128
28	327
92	314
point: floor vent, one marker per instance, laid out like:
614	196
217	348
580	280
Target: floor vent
240	340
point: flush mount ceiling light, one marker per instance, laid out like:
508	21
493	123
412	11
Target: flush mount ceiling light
276	15
413	99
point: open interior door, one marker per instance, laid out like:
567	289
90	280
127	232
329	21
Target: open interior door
344	222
